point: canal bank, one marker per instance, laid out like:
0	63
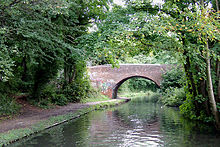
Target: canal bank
29	124
137	123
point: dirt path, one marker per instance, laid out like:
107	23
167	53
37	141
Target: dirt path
30	115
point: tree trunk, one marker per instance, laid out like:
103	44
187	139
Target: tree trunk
24	64
210	89
218	62
203	91
217	6
190	80
218	88
72	74
218	79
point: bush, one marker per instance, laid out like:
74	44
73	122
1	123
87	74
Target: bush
60	100
173	97
49	96
140	84
172	89
8	105
187	109
137	84
154	97
46	96
77	90
172	79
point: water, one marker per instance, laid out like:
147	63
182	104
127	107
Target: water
137	123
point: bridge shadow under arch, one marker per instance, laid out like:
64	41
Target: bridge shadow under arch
116	87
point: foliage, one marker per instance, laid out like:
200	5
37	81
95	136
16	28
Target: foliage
117	41
6	64
148	96
188	109
137	84
8	106
141	84
80	87
189	29
49	96
107	44
172	87
60	100
124	88
173	78
75	91
150	58
40	42
153	97
173	97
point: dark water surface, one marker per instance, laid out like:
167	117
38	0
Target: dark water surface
137	123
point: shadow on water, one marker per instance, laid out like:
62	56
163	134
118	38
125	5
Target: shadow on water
137	123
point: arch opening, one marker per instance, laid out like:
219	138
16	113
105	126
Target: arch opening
116	87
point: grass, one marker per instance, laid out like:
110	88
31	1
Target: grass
149	95
95	99
135	94
17	134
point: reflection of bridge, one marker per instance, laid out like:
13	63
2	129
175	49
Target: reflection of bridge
109	79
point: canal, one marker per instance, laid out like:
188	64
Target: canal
134	124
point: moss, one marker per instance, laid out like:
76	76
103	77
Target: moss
17	134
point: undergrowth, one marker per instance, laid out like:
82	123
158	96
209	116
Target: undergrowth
8	105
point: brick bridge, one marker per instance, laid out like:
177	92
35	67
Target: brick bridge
109	79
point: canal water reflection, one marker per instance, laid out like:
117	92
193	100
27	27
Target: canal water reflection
137	123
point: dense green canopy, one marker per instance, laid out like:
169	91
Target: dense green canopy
187	30
39	42
46	42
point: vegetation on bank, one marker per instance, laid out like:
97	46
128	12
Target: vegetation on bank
172	87
137	85
171	93
187	30
46	45
8	105
98	98
17	134
42	59
132	95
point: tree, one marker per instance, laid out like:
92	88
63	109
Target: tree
184	27
39	40
181	27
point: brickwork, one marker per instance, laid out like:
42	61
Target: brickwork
109	79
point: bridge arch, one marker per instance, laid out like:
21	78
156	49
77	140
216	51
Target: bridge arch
117	85
109	79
